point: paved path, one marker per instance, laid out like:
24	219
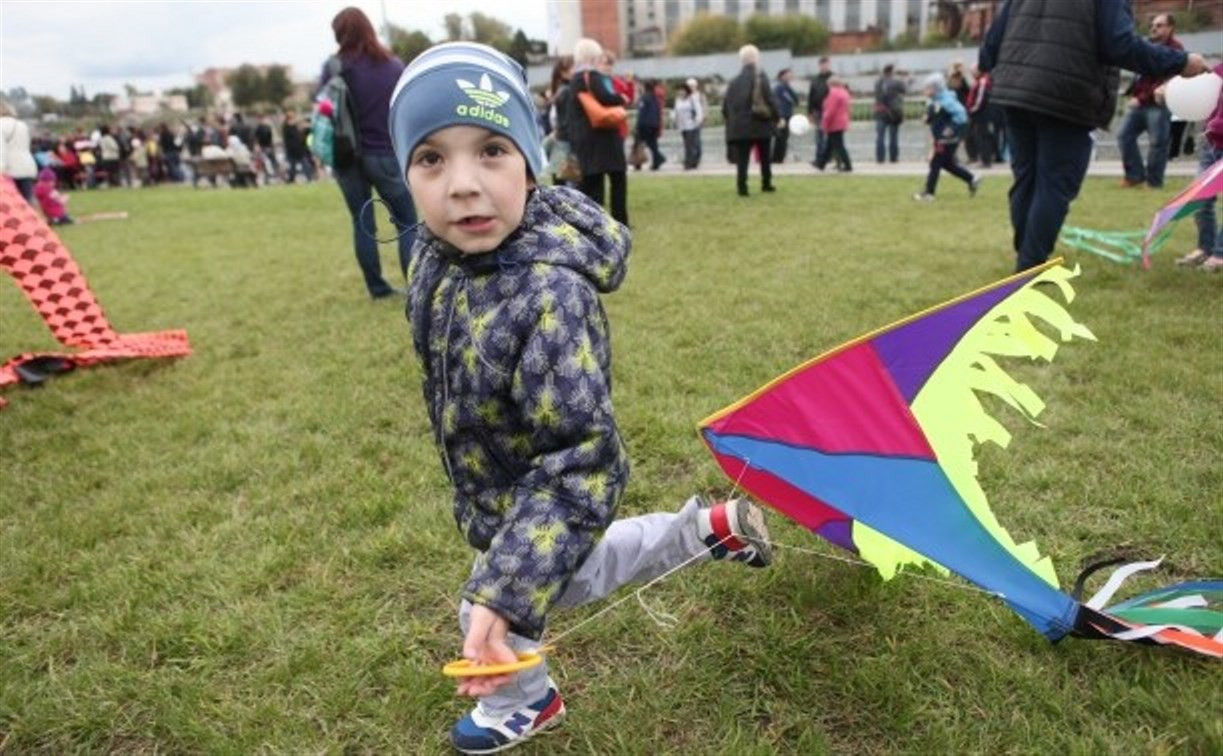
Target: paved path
719	167
860	141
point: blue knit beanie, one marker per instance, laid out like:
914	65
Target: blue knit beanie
464	84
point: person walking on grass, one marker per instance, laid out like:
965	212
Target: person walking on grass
817	92
1146	112
53	204
889	114
369	70
1052	108
16	160
981	119
1208	256
948	123
649	122
835	123
513	345
750	111
600	151
787	101
689	116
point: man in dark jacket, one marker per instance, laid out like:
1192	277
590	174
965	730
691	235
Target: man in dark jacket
815	104
1054	68
1147	112
297	155
786	99
750	112
889	113
266	139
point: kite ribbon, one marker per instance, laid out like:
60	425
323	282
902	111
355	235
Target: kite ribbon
44	269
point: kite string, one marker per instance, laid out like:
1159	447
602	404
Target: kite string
637	593
860	563
666	620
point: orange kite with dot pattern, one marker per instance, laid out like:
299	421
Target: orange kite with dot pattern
44	269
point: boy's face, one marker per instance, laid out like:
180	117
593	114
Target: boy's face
470	185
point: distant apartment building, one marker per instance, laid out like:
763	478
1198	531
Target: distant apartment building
643	27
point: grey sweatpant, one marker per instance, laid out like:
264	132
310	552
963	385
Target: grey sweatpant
635	549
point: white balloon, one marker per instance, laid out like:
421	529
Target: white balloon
1193	99
799	124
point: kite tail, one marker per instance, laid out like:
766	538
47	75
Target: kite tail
53	283
1187	615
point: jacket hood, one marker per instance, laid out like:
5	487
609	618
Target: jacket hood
561	226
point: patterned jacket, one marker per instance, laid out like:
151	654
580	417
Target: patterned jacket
516	362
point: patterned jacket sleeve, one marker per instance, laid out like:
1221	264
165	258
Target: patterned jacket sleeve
568	496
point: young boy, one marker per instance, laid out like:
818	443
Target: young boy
516	363
948	120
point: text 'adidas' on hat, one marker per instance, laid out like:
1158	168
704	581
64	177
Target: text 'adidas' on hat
464	84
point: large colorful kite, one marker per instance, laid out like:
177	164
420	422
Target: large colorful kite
44	269
1204	189
871	446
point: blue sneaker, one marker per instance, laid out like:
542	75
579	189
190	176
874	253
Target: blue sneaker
479	733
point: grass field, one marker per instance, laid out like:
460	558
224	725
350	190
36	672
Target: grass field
251	549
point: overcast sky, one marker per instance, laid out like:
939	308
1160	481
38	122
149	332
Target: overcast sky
48	46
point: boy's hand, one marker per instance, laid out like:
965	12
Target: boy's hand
486	644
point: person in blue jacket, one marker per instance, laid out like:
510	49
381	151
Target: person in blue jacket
1054	66
649	122
787	101
948	121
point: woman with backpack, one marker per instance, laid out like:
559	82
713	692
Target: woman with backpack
358	82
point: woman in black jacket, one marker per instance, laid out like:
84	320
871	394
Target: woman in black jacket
750	112
600	152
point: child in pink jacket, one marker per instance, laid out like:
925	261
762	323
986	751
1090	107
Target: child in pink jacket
54	205
835	122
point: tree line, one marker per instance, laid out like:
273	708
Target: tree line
707	33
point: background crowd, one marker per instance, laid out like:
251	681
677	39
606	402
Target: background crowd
761	116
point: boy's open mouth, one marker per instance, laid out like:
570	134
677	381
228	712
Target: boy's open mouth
474	222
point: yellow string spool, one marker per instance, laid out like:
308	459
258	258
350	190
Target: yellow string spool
468	668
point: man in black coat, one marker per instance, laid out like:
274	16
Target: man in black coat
1054	69
750	111
815	104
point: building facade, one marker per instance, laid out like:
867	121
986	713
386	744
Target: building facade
643	27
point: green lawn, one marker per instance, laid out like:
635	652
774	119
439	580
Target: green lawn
251	549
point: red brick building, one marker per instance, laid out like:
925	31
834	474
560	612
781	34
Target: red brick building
601	22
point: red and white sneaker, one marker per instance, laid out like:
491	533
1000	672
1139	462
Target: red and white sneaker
735	530
479	733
